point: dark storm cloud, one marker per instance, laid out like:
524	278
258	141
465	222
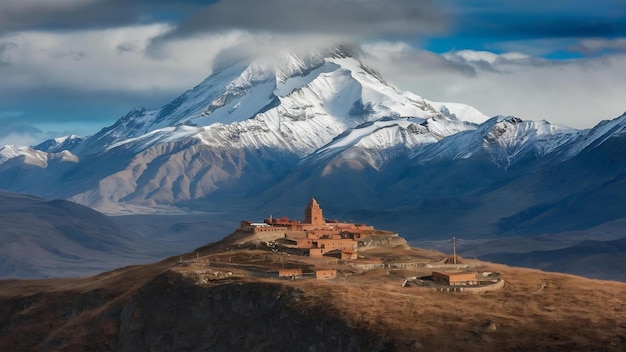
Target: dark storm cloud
340	17
18	15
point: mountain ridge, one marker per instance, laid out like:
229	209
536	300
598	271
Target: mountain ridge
269	135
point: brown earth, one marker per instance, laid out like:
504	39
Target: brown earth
225	297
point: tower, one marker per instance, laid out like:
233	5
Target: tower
454	249
313	214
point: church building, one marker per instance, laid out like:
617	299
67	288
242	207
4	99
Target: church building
313	214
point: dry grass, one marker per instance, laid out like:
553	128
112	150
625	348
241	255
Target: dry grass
534	311
569	313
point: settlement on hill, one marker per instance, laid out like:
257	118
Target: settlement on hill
358	247
315	236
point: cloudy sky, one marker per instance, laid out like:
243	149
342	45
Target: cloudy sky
75	66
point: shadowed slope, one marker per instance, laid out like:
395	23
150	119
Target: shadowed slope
193	305
53	238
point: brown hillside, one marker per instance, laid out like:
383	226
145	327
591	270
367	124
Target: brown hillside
227	297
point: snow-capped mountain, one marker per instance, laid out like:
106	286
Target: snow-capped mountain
324	124
297	105
60	144
379	141
34	157
505	140
250	123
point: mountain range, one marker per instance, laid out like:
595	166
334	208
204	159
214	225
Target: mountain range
266	135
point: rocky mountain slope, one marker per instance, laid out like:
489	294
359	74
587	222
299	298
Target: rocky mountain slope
254	130
249	122
60	144
222	298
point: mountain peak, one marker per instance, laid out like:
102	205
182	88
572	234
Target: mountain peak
282	95
343	51
59	144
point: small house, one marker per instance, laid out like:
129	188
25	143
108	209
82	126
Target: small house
325	274
466	278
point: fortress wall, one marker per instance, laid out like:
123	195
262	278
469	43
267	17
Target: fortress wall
316	252
304	243
447	266
330	244
466	289
370	266
289	272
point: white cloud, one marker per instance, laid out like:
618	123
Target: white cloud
124	60
576	93
109	59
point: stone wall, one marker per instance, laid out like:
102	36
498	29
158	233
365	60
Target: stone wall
469	289
289	272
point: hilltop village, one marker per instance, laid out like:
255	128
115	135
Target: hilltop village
329	249
316	236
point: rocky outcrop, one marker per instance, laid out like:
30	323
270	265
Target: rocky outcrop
385	240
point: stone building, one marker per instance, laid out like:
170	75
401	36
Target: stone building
313	213
316	234
260	227
326	274
323	246
456	278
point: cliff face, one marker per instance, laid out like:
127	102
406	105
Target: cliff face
172	313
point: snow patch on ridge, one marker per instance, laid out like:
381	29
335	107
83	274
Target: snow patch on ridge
32	156
460	111
385	138
8	152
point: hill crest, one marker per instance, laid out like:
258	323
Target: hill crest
219	296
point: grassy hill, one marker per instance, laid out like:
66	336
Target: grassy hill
226	296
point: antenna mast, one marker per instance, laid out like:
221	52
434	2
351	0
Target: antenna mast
454	249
